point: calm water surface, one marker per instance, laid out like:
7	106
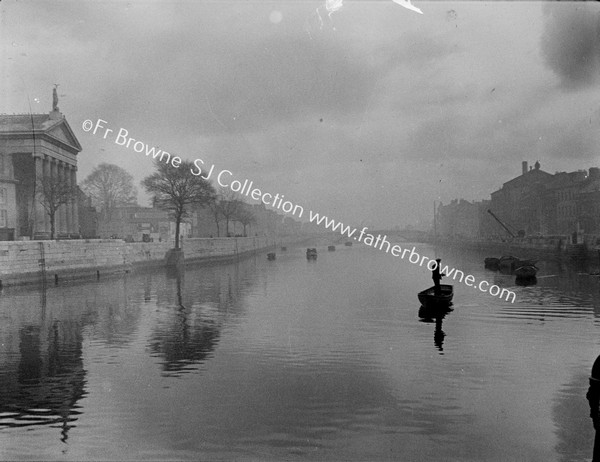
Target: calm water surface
299	360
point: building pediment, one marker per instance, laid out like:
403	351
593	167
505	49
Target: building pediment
62	132
53	125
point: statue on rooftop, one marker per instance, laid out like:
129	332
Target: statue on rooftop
55	98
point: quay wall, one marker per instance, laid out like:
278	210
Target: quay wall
556	246
23	262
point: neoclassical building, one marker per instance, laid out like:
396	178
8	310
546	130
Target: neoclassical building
34	146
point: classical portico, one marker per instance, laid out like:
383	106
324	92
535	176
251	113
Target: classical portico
35	146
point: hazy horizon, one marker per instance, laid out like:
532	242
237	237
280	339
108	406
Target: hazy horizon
368	114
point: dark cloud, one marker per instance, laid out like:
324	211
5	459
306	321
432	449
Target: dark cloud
571	42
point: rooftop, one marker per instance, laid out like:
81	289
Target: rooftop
15	123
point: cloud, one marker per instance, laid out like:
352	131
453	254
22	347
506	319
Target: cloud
571	42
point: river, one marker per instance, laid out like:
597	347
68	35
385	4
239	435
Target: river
299	360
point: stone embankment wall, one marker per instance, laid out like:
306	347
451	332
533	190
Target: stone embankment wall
559	246
30	261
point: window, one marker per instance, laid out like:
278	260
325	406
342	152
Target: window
3	218
2	165
2	195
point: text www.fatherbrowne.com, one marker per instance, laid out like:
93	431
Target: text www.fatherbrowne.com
381	243
276	201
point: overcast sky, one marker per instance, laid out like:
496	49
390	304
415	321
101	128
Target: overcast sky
367	115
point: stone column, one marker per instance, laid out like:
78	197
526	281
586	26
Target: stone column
46	173
53	176
75	204
68	205
62	210
38	216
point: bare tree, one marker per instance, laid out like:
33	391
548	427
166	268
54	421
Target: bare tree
52	192
177	189
214	205
109	186
245	217
229	206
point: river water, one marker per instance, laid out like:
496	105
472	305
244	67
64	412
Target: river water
299	360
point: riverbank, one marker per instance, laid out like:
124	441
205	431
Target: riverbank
547	247
25	262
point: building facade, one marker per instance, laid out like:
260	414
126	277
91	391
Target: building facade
33	147
535	203
521	202
135	223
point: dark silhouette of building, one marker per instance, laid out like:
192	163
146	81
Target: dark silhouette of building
35	146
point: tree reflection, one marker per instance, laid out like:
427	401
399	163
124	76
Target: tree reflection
193	306
189	334
49	380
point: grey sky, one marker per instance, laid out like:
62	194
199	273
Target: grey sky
366	116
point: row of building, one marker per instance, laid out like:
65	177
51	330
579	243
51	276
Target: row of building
135	223
535	203
36	147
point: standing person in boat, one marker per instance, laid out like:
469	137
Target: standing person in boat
437	277
593	397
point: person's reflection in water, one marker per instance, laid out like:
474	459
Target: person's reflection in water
438	334
593	397
436	315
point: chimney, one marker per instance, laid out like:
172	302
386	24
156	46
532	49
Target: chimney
524	164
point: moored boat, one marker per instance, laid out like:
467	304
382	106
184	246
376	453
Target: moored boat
331	248
311	254
348	243
526	271
492	263
508	264
429	298
531	281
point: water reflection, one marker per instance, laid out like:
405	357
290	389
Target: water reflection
570	412
437	315
193	305
42	376
526	281
307	409
282	359
188	334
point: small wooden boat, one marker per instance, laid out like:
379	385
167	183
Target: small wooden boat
331	248
506	263
429	298
271	256
526	271
311	254
509	264
348	243
526	281
492	263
